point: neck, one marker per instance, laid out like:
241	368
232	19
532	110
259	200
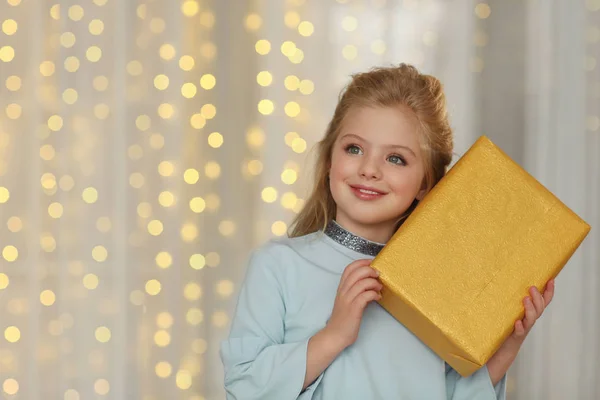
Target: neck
379	233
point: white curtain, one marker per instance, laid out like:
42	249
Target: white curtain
147	146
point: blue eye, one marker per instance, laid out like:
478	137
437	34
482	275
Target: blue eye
353	149
396	160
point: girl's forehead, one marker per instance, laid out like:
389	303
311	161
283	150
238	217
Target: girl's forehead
388	125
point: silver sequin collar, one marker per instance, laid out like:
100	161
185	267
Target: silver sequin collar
352	241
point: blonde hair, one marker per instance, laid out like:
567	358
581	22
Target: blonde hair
401	86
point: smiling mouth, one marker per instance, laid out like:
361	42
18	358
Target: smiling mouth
364	193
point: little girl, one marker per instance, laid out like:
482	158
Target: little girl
307	324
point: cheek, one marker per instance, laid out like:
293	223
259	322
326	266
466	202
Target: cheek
405	185
341	168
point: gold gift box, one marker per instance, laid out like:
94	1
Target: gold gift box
457	270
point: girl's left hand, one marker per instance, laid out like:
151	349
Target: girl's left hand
534	307
535	304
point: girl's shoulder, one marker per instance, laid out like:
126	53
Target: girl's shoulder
287	246
282	251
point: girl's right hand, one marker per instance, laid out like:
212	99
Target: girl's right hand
358	287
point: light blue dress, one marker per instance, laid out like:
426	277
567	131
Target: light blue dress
287	296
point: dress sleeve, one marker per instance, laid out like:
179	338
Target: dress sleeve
257	362
477	386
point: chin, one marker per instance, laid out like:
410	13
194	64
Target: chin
369	214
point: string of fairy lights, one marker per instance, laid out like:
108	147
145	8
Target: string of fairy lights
169	86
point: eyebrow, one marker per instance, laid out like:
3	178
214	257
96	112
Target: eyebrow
351	135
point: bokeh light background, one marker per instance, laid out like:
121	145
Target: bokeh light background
146	146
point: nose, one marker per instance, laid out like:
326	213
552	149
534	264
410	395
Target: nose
369	168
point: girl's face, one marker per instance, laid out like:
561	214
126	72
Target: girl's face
376	170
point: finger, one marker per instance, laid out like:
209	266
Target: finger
362	286
365	298
519	331
538	300
358	274
549	292
351	268
530	314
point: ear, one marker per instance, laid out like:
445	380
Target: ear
422	192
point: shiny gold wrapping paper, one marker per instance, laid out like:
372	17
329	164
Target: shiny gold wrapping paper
456	272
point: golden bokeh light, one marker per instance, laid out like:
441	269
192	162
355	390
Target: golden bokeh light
153	287
157	25
197	204
212	170
164	320
378	47
47	68
167	52
161	82
10	253
299	145
166	168
155	227
291	19
483	10
9	27
183	379
197	261
227	227
289	176
306	86
96	27
215	140
191	176
188	90
164	259
4	280
349	23
14	224
224	288
279	228
306	28
350	52
220	319
90	281
162	338
47	298
288	48
269	194
12	334
10	386
101	387
266	107
192	291
188	232
208	111
163	369
7	53
93	54
187	63
99	253
263	47
189	8
194	316
253	22
90	195
264	78
292	109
